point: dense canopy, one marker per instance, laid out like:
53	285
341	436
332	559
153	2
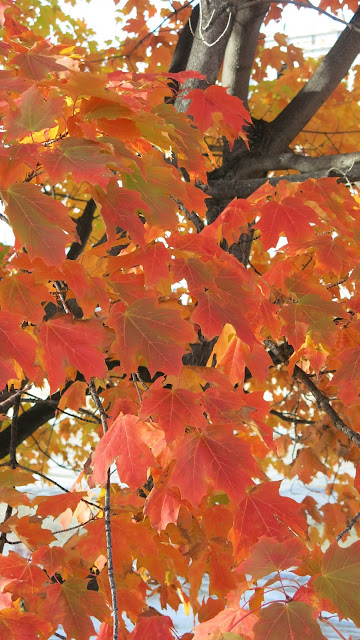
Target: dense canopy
179	324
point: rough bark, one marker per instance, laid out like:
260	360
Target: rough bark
241	48
209	43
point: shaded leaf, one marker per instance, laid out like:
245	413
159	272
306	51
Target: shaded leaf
213	456
231	619
151	334
40	223
290	621
175	409
340	579
69	342
86	160
124	441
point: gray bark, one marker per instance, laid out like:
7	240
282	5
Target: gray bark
241	48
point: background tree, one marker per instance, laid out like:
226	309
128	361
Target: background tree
146	292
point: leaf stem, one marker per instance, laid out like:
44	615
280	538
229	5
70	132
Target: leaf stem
107	516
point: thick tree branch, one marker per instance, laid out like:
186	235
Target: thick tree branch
28	422
251	165
183	47
209	43
241	48
317	90
83	229
226	190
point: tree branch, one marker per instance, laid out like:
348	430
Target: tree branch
107	516
350	526
83	229
241	48
321	399
317	90
183	47
209	43
251	165
226	190
28	422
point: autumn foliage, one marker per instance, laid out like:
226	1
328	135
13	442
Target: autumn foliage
152	324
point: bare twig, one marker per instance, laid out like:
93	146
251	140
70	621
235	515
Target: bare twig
109	548
350	526
10	400
191	215
291	417
321	399
42	475
147	36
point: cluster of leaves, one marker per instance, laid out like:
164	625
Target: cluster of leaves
195	442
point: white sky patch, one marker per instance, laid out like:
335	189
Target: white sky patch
101	15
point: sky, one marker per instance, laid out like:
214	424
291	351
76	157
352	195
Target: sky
100	16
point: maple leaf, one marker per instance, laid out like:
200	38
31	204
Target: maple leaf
264	512
74	397
290	216
213	455
119	208
53	559
347	375
152	627
292	620
125	442
340	578
269	555
18	568
55	505
86	160
313	312
155	185
16	625
89	292
16	345
68	342
71	604
10	81
216	100
231	619
40	224
24	296
175	408
42	58
106	632
306	464
232	221
9	479
35	113
162	506
151	334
